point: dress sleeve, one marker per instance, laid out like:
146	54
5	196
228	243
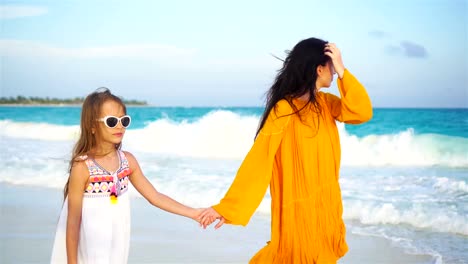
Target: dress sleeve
355	106
254	175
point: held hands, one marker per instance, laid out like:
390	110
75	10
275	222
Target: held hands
208	216
335	54
196	212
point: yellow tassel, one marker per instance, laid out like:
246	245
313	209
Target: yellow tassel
113	199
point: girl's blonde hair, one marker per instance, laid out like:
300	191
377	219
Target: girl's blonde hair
89	133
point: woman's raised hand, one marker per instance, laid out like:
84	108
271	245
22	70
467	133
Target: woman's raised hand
332	51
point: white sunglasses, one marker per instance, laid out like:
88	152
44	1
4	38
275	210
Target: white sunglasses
112	121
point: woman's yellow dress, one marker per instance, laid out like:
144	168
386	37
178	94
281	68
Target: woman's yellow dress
298	156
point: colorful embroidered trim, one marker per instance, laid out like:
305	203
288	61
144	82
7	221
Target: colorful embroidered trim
100	182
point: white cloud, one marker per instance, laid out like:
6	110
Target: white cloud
19	48
136	51
161	54
17	11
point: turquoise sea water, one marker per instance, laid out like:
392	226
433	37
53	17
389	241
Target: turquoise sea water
451	122
404	174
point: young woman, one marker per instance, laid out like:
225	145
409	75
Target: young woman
297	153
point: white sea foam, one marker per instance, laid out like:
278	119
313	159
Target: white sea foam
39	131
201	182
227	135
432	218
451	186
219	134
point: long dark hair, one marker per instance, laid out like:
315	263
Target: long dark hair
297	76
88	140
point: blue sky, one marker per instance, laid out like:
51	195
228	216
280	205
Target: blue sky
219	53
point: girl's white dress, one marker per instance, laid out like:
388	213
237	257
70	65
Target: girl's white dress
105	221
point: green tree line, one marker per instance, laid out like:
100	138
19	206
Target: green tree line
39	100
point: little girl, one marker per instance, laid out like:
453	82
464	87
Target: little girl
94	225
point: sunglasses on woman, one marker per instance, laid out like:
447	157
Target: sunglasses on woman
112	121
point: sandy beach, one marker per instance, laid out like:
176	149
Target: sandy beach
29	215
